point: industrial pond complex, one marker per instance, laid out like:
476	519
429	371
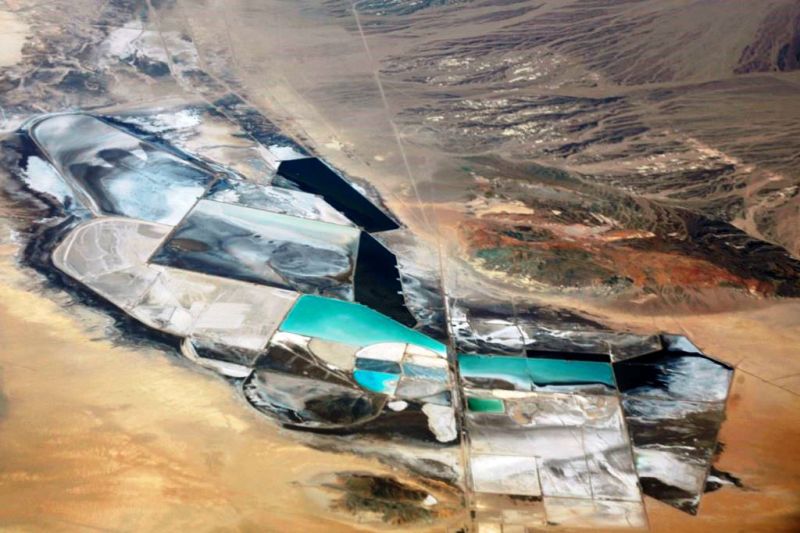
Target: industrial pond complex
290	288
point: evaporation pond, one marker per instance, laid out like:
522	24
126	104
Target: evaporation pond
350	323
522	370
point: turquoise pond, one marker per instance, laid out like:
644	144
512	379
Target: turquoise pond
523	371
377	381
485	405
350	323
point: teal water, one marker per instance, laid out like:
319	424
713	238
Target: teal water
523	371
485	405
350	323
377	365
377	381
513	369
425	372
